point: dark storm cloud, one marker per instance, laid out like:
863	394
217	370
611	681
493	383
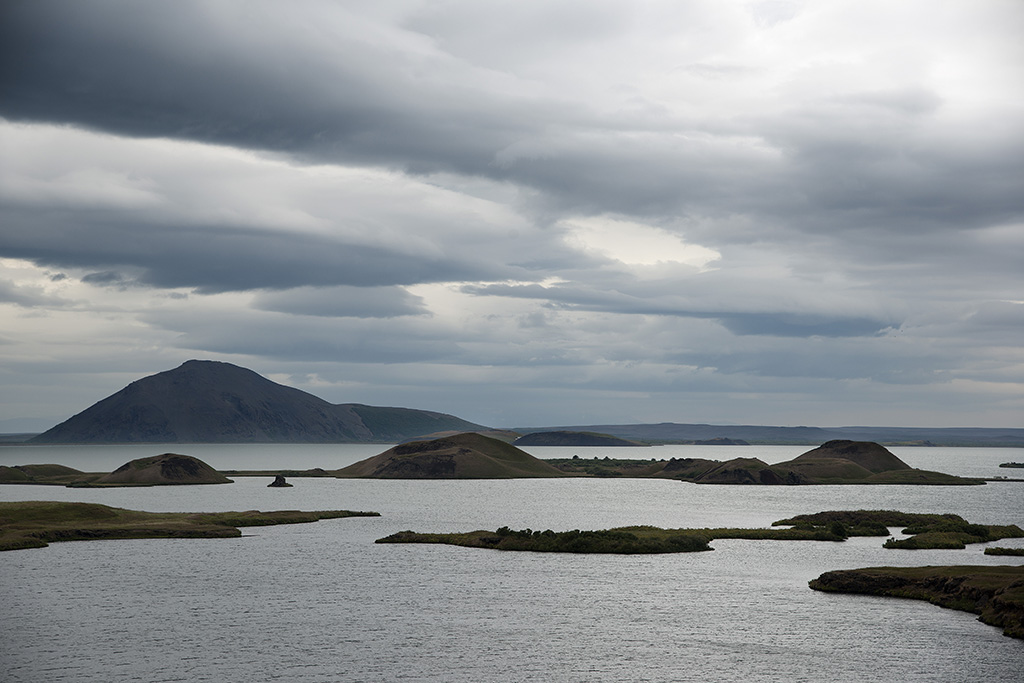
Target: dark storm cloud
232	73
332	85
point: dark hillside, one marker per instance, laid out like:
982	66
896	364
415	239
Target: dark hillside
213	402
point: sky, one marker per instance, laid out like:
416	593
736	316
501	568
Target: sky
523	213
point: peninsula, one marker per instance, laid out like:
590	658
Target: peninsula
35	524
996	594
933	529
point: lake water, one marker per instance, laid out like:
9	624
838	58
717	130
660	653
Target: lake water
322	602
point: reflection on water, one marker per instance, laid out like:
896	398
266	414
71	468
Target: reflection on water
322	602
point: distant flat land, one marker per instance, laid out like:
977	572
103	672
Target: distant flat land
679	433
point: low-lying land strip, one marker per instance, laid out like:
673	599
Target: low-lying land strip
996	594
35	524
823	526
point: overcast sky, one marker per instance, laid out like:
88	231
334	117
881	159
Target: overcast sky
521	213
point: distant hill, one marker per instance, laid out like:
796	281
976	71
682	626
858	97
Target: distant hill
834	462
463	456
573	439
205	401
672	432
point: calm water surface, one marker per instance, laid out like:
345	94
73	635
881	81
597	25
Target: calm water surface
322	602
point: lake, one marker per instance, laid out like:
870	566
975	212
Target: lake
322	602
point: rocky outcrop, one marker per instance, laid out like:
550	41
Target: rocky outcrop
996	594
279	483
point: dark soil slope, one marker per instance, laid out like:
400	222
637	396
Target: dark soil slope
212	402
464	456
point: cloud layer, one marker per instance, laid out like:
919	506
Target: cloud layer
522	213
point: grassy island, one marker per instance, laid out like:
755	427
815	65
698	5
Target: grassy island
926	531
996	594
623	541
35	524
833	526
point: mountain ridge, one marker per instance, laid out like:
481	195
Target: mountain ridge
204	401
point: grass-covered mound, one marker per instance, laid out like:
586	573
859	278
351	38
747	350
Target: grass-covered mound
994	593
54	475
463	456
162	470
34	524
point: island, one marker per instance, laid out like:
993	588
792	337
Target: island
834	526
35	524
996	594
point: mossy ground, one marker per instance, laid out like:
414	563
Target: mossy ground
35	524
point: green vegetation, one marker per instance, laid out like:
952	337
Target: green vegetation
34	524
932	531
622	540
609	467
994	593
1012	552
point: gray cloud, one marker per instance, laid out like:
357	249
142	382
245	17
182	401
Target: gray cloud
393	193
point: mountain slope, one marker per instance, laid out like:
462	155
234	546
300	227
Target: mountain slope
214	402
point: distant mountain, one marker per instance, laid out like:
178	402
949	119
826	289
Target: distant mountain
213	402
672	432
